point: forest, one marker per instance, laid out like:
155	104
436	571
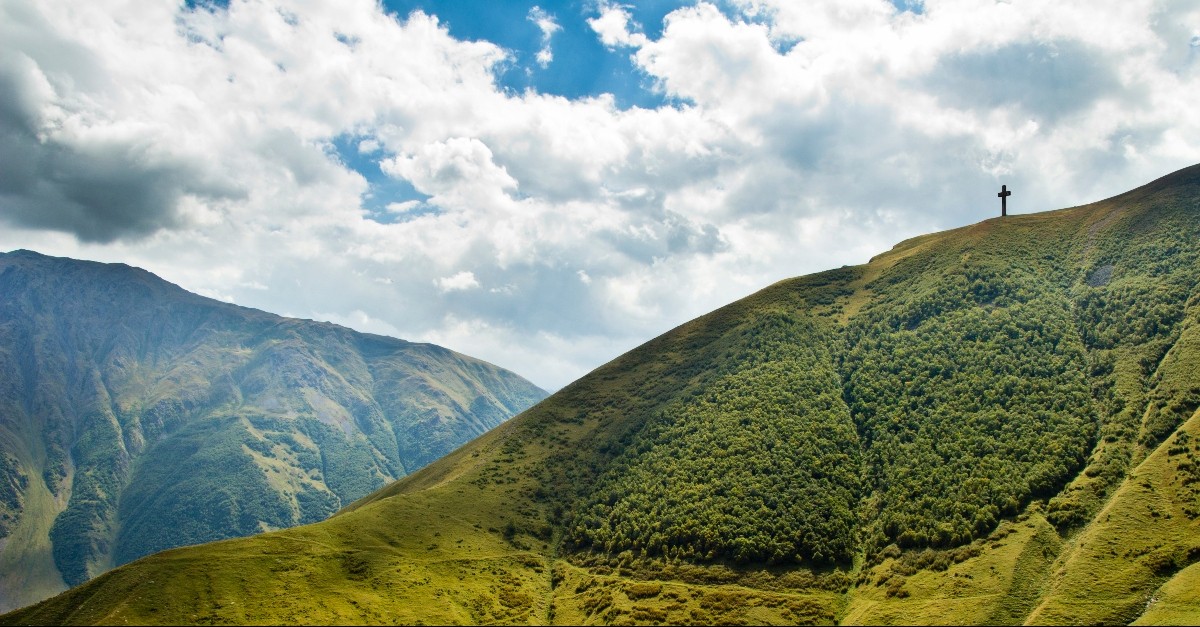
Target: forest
975	381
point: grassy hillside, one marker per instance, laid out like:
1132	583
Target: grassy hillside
136	417
994	424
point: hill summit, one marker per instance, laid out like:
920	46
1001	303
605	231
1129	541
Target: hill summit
990	425
136	416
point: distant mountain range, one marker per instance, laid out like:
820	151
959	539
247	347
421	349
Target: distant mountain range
991	425
136	416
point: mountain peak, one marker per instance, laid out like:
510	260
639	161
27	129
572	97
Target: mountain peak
138	416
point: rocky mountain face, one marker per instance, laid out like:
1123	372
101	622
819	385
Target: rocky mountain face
996	424
136	416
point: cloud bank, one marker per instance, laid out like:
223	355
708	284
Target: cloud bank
549	234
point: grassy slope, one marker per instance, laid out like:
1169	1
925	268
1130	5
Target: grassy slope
1175	603
26	564
379	564
997	587
1137	543
476	536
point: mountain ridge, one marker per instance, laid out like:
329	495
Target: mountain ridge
1024	390
126	390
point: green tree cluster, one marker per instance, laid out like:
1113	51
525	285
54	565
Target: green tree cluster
970	398
13	482
762	465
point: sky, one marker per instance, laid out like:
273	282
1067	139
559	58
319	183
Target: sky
545	185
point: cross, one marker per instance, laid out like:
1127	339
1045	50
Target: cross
1004	194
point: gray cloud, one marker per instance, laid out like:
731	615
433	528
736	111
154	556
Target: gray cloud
660	235
100	192
531	298
1047	80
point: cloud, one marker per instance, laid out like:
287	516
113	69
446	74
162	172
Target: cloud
459	171
361	321
464	280
1045	80
100	181
403	207
547	24
616	27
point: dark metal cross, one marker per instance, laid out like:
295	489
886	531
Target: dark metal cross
1004	194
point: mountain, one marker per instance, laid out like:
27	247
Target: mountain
136	416
989	425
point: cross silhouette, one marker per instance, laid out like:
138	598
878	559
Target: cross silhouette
1004	194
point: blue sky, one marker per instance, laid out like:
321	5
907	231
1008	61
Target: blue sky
548	184
582	66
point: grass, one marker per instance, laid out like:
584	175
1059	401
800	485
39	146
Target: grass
604	595
1136	544
27	572
999	585
1176	602
381	563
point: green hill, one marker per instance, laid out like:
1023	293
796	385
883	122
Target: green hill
990	425
136	417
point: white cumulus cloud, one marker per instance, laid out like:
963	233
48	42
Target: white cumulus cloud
548	25
616	27
464	280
